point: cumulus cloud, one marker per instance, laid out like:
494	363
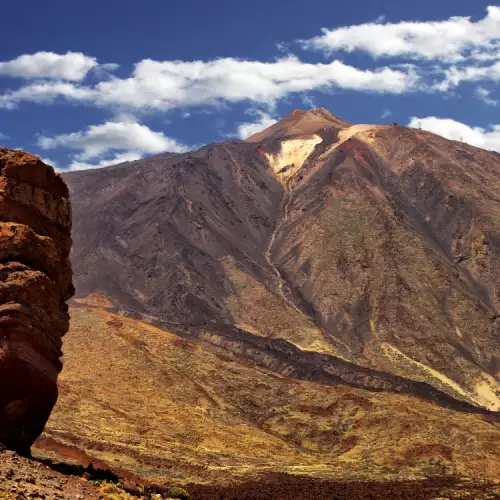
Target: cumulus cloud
262	121
172	84
46	93
452	40
454	75
164	85
122	141
99	139
486	138
72	66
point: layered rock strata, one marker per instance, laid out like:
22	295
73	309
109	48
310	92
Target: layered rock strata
35	283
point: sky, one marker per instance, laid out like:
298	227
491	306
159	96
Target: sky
89	84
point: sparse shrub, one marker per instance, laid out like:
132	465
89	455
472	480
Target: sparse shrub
177	492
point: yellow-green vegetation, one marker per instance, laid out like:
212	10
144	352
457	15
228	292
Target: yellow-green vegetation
178	492
112	492
175	411
259	311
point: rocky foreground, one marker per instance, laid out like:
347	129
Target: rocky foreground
35	282
23	478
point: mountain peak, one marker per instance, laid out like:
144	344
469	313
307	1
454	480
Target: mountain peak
318	112
300	122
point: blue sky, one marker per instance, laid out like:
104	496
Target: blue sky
86	84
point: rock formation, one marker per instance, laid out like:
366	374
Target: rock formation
35	282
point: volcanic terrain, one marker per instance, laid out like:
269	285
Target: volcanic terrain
312	312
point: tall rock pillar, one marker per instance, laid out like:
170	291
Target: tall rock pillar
35	283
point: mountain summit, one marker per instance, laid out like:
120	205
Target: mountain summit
300	122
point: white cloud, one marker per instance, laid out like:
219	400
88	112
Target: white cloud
485	96
48	161
263	120
46	93
71	66
454	76
106	162
386	113
157	85
172	84
451	40
450	129
110	66
308	101
123	141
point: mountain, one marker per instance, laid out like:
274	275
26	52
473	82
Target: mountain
366	248
319	300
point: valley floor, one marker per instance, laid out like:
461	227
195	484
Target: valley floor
153	408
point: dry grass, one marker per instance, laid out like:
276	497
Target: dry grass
167	409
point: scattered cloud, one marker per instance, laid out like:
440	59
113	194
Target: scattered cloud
452	40
485	96
262	121
49	161
72	66
110	66
454	75
46	93
164	85
283	46
422	56
486	138
386	113
114	159
172	84
95	145
308	101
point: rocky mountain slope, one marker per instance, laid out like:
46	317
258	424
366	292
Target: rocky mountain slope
35	282
370	252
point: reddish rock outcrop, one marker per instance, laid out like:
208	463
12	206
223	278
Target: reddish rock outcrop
35	282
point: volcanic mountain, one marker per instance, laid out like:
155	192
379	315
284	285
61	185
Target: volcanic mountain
321	299
359	249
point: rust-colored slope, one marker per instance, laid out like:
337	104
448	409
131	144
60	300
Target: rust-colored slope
170	409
